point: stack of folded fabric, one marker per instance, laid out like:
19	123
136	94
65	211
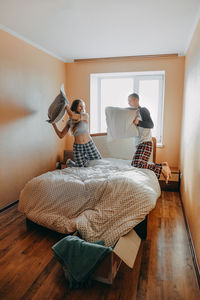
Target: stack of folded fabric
79	259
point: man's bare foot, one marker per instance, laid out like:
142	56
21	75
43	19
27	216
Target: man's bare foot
166	171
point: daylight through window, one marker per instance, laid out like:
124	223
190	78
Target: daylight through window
112	89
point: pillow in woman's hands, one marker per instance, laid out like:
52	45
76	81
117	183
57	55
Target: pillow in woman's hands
57	109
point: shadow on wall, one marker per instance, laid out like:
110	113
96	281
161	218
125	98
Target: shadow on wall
195	163
10	112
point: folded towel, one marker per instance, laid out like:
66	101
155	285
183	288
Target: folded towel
120	122
79	258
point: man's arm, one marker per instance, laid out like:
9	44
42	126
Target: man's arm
146	118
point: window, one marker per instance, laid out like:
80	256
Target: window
112	89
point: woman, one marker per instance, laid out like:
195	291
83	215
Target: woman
84	148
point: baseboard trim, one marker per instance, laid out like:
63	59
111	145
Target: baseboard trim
192	249
8	206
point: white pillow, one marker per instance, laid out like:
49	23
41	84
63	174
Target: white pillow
116	148
120	122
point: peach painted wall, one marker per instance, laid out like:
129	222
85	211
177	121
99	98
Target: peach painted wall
190	142
29	81
78	86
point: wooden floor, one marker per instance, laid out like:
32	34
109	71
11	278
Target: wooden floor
163	267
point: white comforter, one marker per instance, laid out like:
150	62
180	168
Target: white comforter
103	202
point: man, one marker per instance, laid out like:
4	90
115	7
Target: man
145	144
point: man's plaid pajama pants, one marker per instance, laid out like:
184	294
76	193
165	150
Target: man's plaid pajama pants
141	158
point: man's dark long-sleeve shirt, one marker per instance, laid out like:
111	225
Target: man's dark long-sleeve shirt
145	125
146	121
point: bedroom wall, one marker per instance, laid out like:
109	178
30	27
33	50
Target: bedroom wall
190	142
29	81
78	86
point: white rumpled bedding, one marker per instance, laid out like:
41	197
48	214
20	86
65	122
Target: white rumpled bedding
103	201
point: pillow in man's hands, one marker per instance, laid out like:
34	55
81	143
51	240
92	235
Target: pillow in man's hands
120	122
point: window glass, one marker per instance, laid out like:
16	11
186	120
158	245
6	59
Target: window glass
149	92
112	89
114	93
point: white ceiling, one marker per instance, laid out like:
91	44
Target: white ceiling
70	29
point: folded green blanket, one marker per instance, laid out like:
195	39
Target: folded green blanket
79	258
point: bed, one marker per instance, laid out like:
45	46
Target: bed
102	202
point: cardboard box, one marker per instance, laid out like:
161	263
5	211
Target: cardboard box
107	269
125	250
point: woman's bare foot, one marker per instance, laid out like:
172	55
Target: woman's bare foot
70	163
166	171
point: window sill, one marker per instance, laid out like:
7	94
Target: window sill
160	145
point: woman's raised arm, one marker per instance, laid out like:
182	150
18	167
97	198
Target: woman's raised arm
76	117
62	133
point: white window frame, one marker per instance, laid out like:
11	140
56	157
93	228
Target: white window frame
95	96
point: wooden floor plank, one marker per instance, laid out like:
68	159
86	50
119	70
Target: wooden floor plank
163	268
